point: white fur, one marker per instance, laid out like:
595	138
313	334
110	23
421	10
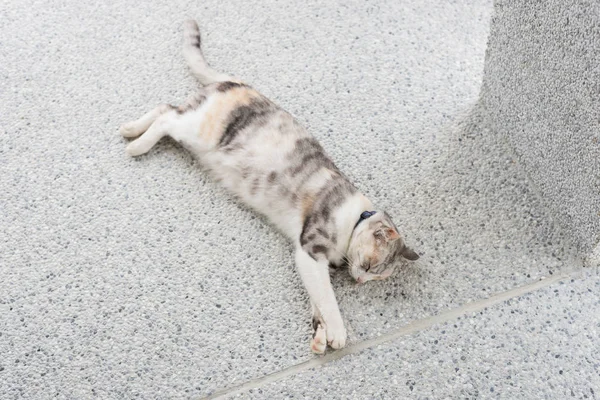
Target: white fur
345	220
315	275
266	152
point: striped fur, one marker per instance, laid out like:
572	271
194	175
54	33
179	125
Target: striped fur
262	155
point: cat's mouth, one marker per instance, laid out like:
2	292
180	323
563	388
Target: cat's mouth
367	276
366	273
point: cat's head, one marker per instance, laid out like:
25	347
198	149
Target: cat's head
376	248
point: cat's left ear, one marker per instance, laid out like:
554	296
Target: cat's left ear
389	234
410	254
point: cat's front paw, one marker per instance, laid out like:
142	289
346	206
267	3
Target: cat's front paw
336	335
318	343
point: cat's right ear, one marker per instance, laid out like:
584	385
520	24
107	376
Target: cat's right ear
410	254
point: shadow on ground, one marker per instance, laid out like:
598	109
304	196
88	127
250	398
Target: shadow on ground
478	226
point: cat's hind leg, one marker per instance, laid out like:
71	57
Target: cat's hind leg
157	129
136	128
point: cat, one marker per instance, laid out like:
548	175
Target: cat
260	153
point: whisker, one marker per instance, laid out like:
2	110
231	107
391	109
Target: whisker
351	264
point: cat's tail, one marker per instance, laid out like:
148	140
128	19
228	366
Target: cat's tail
192	51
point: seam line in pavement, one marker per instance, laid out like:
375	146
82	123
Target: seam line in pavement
412	327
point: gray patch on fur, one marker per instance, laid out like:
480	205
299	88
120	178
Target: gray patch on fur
245	117
225	86
318	232
193	102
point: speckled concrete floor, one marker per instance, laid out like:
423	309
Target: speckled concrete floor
542	345
141	278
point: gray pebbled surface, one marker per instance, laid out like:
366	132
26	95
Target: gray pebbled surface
541	93
130	278
478	226
543	345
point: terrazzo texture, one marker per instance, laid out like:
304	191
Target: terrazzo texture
478	226
125	278
540	92
543	345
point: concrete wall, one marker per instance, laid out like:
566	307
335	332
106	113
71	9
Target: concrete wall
541	92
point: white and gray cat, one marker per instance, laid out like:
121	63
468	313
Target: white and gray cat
263	155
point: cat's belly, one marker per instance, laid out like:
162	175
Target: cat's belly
259	174
272	164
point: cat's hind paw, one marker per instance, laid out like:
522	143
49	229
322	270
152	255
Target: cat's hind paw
129	130
318	343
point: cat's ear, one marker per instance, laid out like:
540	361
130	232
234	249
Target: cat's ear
389	234
410	254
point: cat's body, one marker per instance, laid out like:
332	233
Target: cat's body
260	153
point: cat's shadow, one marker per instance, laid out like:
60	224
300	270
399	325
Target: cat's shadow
404	283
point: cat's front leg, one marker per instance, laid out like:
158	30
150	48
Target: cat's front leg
326	313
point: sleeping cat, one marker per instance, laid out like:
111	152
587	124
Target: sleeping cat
262	155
